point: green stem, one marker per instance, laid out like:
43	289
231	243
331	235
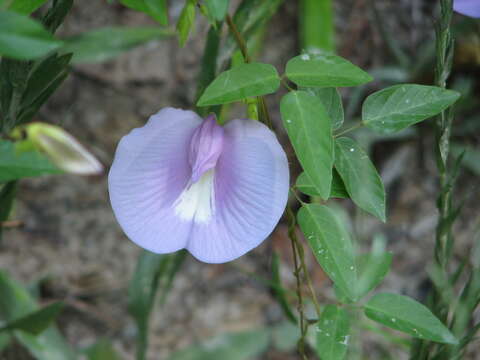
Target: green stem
444	236
296	273
317	25
242	45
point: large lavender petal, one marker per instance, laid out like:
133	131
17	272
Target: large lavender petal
467	7
149	172
251	191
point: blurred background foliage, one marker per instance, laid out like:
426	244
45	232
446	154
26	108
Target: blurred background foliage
71	286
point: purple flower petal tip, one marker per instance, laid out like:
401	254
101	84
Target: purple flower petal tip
205	147
467	7
183	182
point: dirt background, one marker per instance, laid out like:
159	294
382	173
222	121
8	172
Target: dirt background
71	237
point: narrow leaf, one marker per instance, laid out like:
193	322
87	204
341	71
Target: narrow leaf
186	21
241	82
360	177
16	303
56	14
42	76
142	292
37	321
153	272
208	69
305	185
15	165
399	106
324	70
7	197
331	245
309	130
409	316
471	157
28	112
158	10
24	38
103	44
217	8
333	333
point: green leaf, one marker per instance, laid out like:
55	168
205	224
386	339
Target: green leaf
309	129
37	321
331	99
372	268
153	272
15	166
28	112
409	316
337	190
279	291
208	69
241	82
56	14
16	303
7	197
103	44
186	21
26	6
360	177
157	9
331	245
217	8
49	345
24	38
44	79
399	106
471	158
324	70
102	350
333	333
232	346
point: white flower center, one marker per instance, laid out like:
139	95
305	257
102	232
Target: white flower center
197	202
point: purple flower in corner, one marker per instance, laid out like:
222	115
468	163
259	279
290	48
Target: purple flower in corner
467	7
184	182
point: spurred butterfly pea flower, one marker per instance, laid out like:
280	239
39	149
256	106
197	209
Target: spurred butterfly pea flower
467	7
184	182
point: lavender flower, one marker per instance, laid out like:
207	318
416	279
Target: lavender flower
183	182
467	7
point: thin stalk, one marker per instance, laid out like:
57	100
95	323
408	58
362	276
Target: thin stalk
296	273
301	255
444	46
444	238
242	45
